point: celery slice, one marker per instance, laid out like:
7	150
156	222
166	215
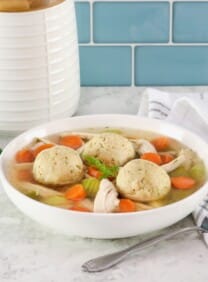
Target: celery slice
56	201
34	195
198	172
180	171
91	186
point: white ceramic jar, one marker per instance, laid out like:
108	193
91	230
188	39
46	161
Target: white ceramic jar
39	65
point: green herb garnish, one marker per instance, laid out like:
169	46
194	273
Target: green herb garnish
107	171
0	151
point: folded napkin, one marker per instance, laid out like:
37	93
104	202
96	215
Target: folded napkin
185	109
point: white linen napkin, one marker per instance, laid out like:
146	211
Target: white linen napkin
185	109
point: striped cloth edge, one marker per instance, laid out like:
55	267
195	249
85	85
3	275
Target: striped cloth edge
187	110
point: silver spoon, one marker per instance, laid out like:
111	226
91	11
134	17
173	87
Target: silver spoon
107	261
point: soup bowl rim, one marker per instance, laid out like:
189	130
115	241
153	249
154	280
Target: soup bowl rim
103	116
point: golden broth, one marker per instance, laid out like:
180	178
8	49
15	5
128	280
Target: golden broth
20	178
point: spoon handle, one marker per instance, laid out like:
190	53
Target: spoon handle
107	261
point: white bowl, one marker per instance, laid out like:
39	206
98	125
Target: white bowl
96	225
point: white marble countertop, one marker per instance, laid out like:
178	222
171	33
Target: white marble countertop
32	253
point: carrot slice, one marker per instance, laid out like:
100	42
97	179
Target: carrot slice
40	148
71	141
24	156
166	158
76	193
183	182
94	172
126	205
24	175
80	208
152	157
161	143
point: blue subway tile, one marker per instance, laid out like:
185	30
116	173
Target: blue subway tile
83	21
190	22
105	66
123	22
165	65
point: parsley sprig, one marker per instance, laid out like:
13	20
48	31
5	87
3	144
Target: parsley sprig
107	171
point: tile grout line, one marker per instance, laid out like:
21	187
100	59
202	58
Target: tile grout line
132	66
171	23
144	44
170	1
91	23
